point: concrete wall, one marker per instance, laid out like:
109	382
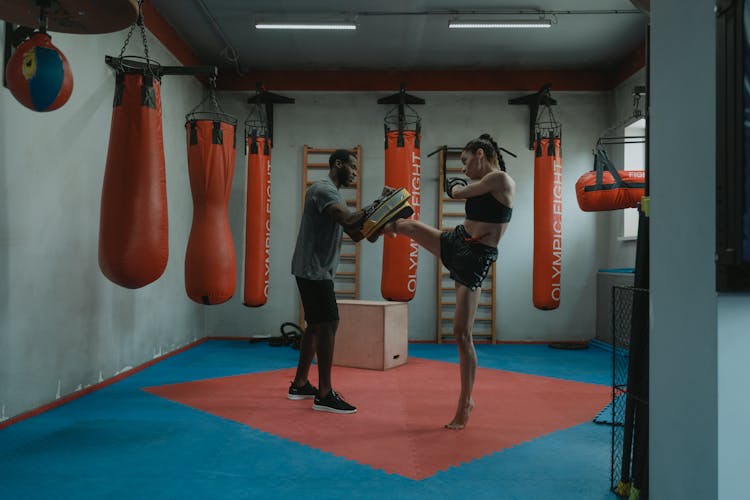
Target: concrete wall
733	408
63	325
699	340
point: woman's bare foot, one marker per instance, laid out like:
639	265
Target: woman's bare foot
462	416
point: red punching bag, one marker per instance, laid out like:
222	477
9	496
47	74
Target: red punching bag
210	263
133	229
547	221
606	188
257	220
400	254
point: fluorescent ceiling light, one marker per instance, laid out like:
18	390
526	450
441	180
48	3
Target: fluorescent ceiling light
305	26
539	23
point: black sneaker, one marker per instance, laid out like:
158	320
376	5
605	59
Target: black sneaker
333	403
307	391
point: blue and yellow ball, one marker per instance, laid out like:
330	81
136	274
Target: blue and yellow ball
38	74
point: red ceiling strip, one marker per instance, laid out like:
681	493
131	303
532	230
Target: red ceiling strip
629	66
168	36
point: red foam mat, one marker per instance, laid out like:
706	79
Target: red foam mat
401	412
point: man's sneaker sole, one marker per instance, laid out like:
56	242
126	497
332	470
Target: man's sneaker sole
332	410
297	397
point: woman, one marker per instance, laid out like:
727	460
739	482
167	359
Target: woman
469	250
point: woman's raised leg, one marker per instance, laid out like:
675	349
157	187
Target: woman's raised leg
426	236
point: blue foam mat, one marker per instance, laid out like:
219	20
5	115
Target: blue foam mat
606	416
121	442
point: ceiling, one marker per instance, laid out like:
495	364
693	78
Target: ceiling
396	35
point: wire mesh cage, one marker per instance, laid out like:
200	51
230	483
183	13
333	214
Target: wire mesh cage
623	400
622	308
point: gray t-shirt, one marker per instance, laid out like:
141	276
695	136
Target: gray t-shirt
316	254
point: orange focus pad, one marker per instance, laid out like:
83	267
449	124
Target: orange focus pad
400	254
607	195
392	207
257	222
133	230
547	223
210	263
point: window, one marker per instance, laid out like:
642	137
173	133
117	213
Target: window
634	157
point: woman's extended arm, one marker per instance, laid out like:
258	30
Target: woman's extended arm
493	182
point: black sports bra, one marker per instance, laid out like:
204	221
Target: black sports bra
486	208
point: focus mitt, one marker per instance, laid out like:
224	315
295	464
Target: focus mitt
392	206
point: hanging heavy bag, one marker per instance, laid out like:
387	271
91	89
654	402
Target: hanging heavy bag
547	269
210	262
257	219
133	226
400	254
606	188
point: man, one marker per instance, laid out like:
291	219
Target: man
316	256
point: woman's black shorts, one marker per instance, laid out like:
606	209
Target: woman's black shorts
468	261
318	300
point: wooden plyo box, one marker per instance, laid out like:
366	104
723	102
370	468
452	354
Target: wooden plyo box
372	334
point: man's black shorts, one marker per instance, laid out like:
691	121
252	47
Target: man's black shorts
318	300
468	261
